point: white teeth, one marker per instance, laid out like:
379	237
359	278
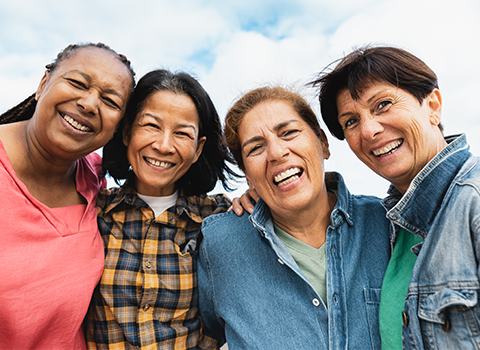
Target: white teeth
76	125
387	149
287	181
158	163
290	175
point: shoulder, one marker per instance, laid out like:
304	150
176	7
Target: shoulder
90	169
353	202
106	197
470	172
229	223
205	205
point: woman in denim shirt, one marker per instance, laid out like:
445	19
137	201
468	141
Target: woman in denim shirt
385	102
304	271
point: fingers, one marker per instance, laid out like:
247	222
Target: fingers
237	206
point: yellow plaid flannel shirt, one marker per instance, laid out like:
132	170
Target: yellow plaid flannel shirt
147	297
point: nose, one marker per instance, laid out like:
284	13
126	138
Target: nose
371	127
277	150
164	144
89	102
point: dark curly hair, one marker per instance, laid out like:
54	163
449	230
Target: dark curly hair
210	167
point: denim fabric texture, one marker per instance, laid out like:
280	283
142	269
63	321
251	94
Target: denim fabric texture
442	205
254	296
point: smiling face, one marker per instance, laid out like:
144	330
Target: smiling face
390	131
163	142
283	158
81	102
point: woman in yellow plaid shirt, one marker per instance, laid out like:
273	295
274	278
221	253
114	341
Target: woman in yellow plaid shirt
170	152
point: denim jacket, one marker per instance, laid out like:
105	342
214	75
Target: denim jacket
442	205
253	295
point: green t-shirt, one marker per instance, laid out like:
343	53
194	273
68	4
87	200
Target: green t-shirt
395	288
311	261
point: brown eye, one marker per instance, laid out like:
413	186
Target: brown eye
349	123
384	104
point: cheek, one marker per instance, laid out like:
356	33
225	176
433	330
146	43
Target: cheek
354	142
130	157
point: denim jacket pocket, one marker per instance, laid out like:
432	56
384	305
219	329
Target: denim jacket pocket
372	300
450	318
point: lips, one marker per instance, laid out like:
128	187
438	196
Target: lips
75	124
388	149
287	176
158	163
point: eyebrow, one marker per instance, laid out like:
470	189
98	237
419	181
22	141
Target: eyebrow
89	79
368	101
160	120
276	128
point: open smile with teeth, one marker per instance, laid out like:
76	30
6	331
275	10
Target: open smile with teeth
158	163
388	149
75	124
288	176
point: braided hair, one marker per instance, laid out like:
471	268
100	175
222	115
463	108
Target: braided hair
25	109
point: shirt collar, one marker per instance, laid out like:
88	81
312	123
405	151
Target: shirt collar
185	204
416	209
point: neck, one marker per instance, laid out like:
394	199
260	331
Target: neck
309	226
50	180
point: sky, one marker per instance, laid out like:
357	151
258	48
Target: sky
232	47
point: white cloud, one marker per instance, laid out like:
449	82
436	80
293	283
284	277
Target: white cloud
235	46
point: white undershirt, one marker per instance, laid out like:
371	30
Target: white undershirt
159	203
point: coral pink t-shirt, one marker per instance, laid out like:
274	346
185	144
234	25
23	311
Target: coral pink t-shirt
50	262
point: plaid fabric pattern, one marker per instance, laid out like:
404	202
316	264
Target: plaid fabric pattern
147	297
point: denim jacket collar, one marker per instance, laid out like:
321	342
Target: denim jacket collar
418	207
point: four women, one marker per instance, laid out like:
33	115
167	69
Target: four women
305	268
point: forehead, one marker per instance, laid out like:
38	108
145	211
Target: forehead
165	104
366	95
99	63
267	117
270	113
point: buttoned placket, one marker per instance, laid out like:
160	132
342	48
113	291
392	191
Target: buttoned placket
147	306
337	313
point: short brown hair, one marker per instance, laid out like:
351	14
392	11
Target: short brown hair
251	99
368	65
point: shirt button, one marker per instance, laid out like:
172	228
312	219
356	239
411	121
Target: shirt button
405	318
148	222
146	307
281	261
316	302
148	265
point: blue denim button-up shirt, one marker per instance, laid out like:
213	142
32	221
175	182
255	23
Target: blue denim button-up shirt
254	296
442	205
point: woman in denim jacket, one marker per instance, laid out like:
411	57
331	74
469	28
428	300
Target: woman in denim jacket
304	271
385	102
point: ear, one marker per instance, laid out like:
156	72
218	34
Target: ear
42	85
250	183
434	103
325	146
200	144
